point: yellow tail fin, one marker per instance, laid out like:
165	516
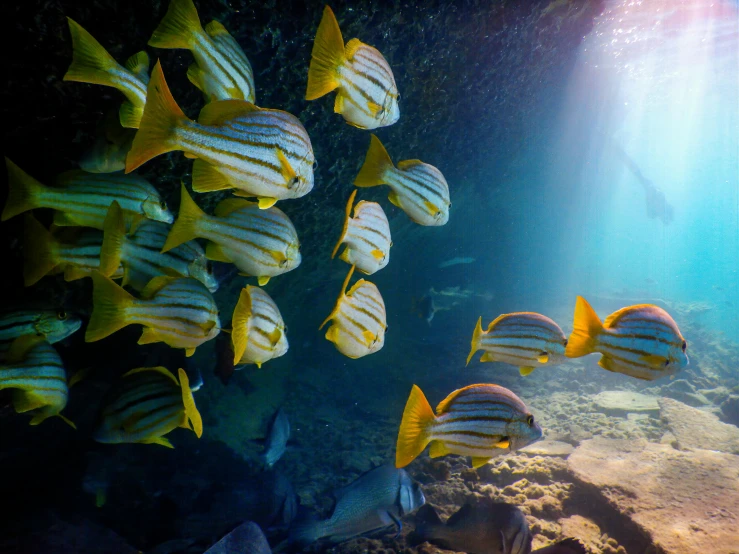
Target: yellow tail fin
191	411
476	335
109	305
413	434
114	230
239	324
22	191
186	227
587	327
91	63
180	24
327	55
375	165
346	223
161	117
39	251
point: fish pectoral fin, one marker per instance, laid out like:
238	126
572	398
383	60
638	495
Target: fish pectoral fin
543	357
378	255
339	103
606	363
266	202
215	253
654	360
369	337
189	352
278	256
374	108
158	440
525	370
288	173
275	336
438	449
149	336
479	461
394	200
62	219
430	208
332	335
503	443
487	357
207	178
195	76
262	280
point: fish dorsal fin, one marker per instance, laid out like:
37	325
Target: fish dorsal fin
347	217
138	64
405	164
351	48
613	319
215	28
158	369
496	321
191	411
217	113
155	285
215	253
355	286
230	205
21	346
337	306
394	199
444	404
240	323
462	514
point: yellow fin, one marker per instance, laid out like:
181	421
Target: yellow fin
63	219
525	370
73	272
179	26
157	369
413	434
161	118
158	440
373	108
479	461
378	255
347	216
543	358
221	111
503	443
369	337
65	420
278	256
39	251
274	336
339	103
196	76
215	28
405	164
475	344
110	304
444	404
135	221
21	346
345	255
332	335
262	280
149	336
114	231
266	202
130	115
339	300
376	163
587	327
215	252
138	64
25	401
654	360
394	199
430	208
91	63
190	156
189	352
186	227
22	191
288	173
606	363
190	409
438	449
207	178
326	57
230	205
79	376
487	357
155	285
351	48
240	323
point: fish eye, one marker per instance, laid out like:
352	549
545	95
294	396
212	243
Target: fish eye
667	362
284	329
398	97
163	205
62	315
685	345
315	164
530	420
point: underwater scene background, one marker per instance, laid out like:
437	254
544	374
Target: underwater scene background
590	149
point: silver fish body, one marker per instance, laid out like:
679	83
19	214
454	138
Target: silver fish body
278	434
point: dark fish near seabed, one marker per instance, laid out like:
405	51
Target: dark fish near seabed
425	308
54	325
483	526
375	500
278	434
107	153
247	538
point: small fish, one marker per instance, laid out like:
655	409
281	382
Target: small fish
178	311
107	154
45	253
419	189
478	421
53	325
247	538
82	199
221	70
258	331
91	63
145	405
262	243
262	153
425	308
358	319
35	371
367	95
140	254
524	339
456	261
375	500
366	235
642	341
278	434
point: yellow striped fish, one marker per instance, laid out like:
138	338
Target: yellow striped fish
44	253
358	320
481	421
524	339
261	243
34	369
263	153
91	63
257	331
221	69
419	189
179	312
366	235
53	325
642	341
139	255
82	199
145	405
367	94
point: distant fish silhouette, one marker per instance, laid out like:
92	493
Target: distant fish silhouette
456	261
